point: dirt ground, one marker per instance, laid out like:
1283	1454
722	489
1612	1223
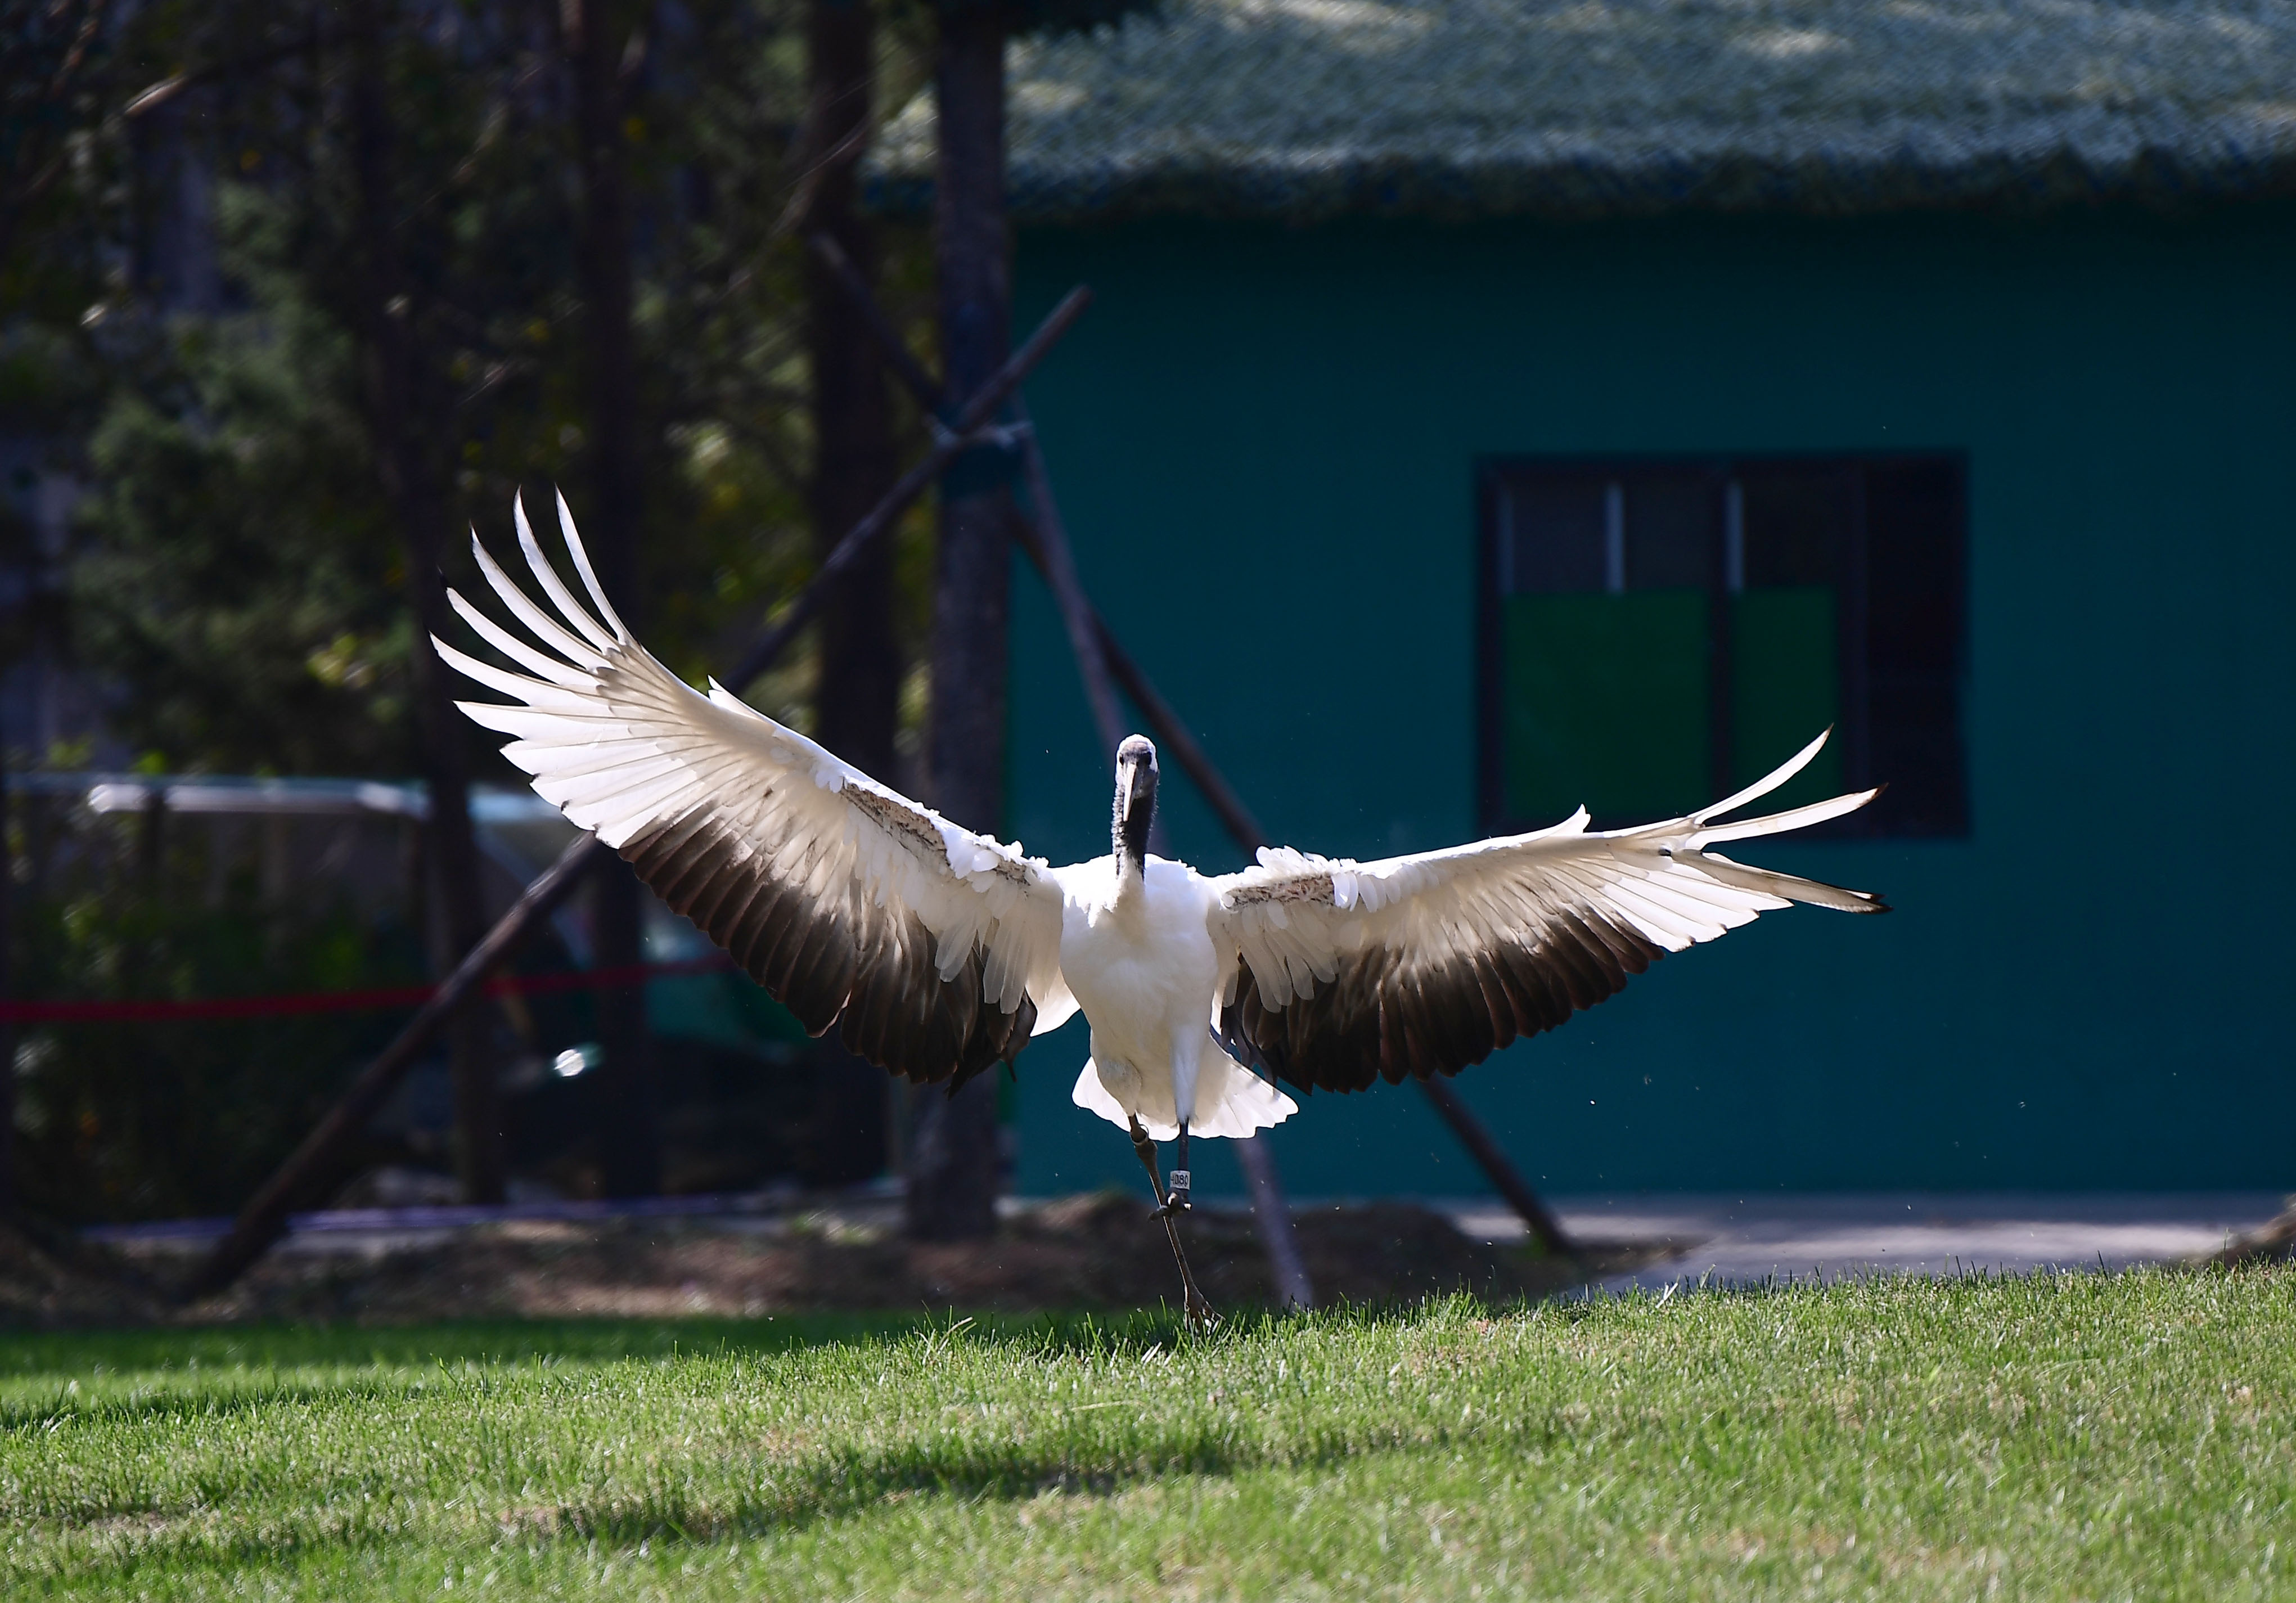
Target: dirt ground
2271	1242
1094	1252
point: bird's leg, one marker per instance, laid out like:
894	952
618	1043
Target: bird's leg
1144	1150
1200	1311
1179	1194
1192	1302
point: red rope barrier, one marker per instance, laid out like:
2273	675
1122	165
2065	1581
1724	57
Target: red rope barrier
95	1011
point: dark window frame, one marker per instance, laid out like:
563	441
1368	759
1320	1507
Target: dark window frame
1936	805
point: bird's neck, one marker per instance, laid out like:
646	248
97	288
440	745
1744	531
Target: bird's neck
1131	877
1130	840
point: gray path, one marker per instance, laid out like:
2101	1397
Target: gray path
1736	1239
1725	1237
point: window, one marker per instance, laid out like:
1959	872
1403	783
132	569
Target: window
1656	634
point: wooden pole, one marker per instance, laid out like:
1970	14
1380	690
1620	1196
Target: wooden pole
947	446
1279	1233
624	1115
856	706
951	1175
1170	733
858	687
263	1218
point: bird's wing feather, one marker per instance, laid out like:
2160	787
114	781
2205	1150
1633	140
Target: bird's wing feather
934	950
1346	972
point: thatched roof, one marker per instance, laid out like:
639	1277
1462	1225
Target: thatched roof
1312	107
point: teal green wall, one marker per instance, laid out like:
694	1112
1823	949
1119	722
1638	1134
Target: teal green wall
1263	441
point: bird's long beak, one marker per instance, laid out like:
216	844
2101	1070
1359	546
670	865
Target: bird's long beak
1135	798
1137	781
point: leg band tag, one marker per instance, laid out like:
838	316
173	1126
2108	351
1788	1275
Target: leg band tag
1179	1182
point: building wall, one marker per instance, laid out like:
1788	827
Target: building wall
1263	439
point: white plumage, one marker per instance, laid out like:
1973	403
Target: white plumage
1138	954
937	951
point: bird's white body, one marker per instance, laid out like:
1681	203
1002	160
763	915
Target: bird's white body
1137	953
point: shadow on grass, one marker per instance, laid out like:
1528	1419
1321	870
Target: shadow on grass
796	1496
1088	1452
161	1374
789	1498
838	1485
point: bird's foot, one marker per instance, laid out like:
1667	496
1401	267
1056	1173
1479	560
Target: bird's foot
1200	1314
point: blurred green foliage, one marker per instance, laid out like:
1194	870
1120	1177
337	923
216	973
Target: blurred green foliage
184	327
175	1118
181	319
237	570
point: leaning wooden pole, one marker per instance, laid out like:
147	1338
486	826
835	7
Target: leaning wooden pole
1164	723
948	445
1045	539
263	1218
1174	739
1504	1177
1055	558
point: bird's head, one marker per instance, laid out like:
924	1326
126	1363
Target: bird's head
1135	799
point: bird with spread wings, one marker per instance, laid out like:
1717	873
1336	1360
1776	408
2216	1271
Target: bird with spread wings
936	951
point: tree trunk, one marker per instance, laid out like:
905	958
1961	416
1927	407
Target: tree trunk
857	702
450	849
628	1157
954	1151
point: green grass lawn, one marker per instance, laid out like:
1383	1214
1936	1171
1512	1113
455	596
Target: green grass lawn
2085	1437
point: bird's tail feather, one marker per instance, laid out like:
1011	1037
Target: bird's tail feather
1246	1103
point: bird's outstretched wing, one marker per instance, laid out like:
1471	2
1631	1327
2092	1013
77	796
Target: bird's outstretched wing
935	950
1345	972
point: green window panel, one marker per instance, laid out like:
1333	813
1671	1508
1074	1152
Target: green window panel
1658	633
1606	704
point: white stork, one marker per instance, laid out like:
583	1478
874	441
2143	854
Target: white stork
937	951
